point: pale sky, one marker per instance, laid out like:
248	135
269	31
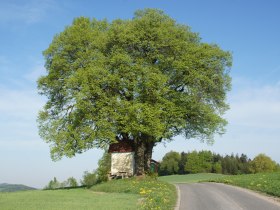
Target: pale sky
249	29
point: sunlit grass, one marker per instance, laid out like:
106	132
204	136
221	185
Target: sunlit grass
156	194
264	182
135	193
190	178
78	199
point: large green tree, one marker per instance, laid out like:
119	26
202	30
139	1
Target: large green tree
199	162
170	163
143	80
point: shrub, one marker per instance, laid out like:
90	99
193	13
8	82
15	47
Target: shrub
89	179
262	163
104	167
71	182
53	184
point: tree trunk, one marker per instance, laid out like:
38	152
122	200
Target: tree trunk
148	155
139	157
143	154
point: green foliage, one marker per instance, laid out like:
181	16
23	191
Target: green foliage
277	167
101	174
243	164
72	182
230	165
53	184
235	164
170	163
264	182
182	163
78	199
199	162
89	179
148	76
104	167
205	162
262	163
155	194
192	165
217	168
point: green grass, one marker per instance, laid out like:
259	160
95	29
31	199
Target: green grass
268	183
135	193
190	178
78	199
156	194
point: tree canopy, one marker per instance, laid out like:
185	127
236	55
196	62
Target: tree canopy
262	163
170	163
144	80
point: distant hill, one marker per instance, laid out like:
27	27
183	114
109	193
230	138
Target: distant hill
14	187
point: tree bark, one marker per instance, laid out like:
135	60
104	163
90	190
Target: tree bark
148	155
139	157
143	154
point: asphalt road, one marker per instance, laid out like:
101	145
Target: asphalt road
213	196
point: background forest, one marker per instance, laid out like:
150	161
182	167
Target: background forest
209	162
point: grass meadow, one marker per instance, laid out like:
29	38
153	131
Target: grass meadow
135	193
155	194
268	183
67	199
190	178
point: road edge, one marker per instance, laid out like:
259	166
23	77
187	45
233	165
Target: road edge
177	207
